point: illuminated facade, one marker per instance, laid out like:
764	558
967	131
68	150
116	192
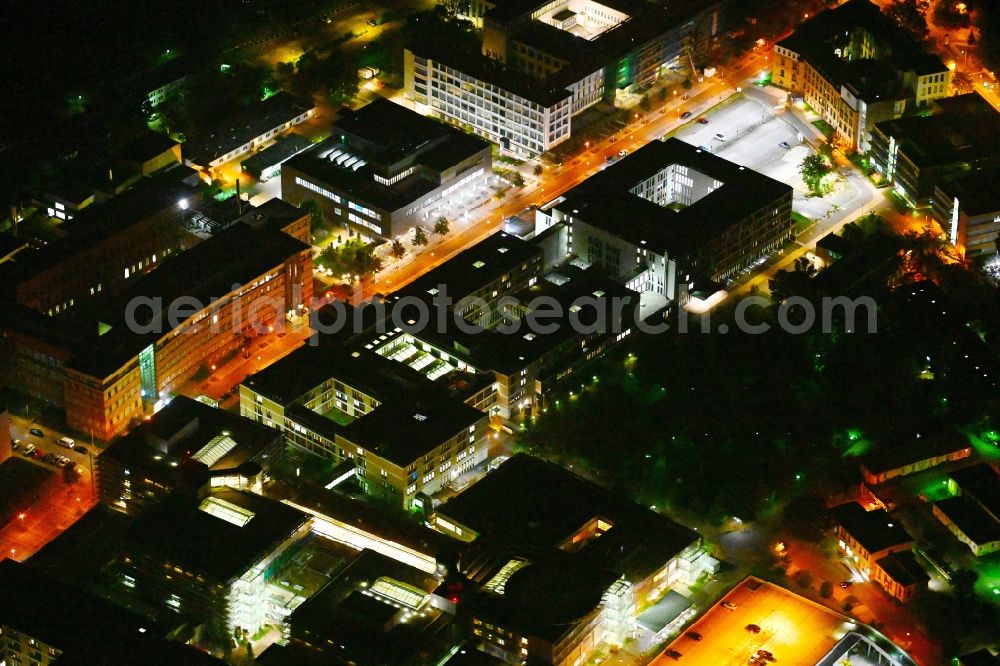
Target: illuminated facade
855	68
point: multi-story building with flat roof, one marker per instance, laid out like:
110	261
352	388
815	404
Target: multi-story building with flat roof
959	140
560	564
968	208
668	214
386	169
113	362
406	434
545	62
246	130
855	68
208	557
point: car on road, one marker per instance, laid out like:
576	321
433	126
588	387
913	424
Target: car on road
36	432
29	450
844	584
685	115
720	136
694	635
622	153
372	22
753	628
674	654
15	445
703	121
785	145
729	605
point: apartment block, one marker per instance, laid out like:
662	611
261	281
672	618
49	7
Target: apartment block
855	67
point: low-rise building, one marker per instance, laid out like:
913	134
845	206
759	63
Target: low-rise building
386	169
916	455
246	130
266	164
880	548
561	564
855	67
973	513
668	214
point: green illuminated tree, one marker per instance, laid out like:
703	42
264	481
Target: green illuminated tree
814	169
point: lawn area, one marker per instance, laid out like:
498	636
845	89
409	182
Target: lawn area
823	127
339	417
801	222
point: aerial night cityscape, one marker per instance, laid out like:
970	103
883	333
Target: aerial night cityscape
485	332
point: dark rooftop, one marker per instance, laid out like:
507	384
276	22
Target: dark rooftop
234	256
966	129
95	632
874	530
971	517
904	568
401	432
282	149
472	269
979	658
347	615
817	38
386	139
888	456
604	200
533	505
178	531
274	214
977	192
543	93
243	125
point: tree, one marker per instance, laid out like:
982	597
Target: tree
662	94
814	169
826	589
644	103
972	38
908	16
419	236
441	226
537	169
803	578
316	216
352	258
70	473
795	282
686	84
951	15
397	250
516	179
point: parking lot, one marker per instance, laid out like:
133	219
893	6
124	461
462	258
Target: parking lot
796	631
774	142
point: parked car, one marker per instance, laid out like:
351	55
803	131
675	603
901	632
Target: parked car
29	450
703	121
766	655
753	628
785	145
685	115
622	153
36	432
674	654
844	584
720	136
63	461
729	605
66	442
694	635
15	445
50	459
